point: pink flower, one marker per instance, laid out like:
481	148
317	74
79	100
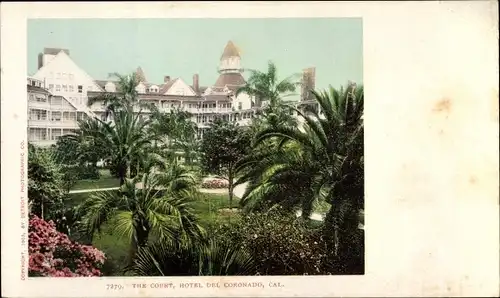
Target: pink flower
51	250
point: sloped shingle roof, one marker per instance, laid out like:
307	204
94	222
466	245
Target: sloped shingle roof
230	79
230	51
54	51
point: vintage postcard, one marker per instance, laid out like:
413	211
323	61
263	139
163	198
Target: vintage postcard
218	149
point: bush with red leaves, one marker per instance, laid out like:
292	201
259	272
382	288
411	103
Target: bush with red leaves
53	254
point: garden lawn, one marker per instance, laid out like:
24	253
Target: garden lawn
105	181
116	248
208	205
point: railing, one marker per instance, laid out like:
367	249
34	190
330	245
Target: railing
56	124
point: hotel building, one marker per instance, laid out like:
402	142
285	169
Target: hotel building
58	93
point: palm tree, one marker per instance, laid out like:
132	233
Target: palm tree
124	140
210	258
177	133
126	98
265	86
284	176
155	205
332	147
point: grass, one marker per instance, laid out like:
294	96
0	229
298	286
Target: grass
208	205
116	248
105	181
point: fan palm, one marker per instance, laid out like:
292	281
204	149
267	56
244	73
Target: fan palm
155	204
203	258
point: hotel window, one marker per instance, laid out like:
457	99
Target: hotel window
58	87
71	88
37	134
65	88
56	116
41	98
38	114
80	88
240	106
51	87
57	101
56	134
64	76
58	76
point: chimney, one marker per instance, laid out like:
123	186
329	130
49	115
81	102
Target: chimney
166	79
40	60
308	82
196	84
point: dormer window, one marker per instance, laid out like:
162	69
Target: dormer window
140	88
110	87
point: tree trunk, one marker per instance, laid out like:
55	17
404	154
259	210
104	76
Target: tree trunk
140	240
122	173
42	207
230	188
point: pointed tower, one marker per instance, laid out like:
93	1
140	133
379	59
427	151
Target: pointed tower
139	73
230	61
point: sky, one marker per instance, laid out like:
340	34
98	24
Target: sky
183	47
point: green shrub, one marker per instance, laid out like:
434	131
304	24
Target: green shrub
279	243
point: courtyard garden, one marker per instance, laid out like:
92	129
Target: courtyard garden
144	196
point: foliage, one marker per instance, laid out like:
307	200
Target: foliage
52	254
125	99
45	184
284	176
265	86
124	139
177	133
223	144
75	149
279	243
332	142
157	204
209	258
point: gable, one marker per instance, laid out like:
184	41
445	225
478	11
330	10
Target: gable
180	88
60	67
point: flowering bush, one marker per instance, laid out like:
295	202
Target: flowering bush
215	183
53	254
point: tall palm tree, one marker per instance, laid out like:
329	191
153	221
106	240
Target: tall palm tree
123	140
265	86
333	143
125	98
155	205
176	132
285	176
